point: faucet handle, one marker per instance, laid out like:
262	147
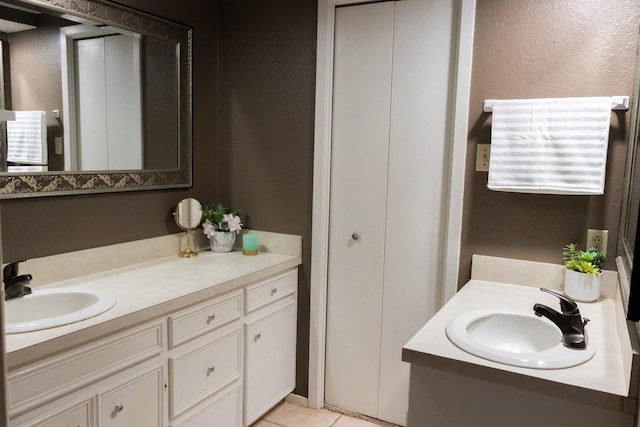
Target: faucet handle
10	270
568	306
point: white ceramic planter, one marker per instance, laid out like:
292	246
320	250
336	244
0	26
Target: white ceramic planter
582	287
222	241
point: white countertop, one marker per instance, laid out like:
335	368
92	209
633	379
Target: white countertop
145	291
603	380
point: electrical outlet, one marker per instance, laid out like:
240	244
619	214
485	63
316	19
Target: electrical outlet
597	239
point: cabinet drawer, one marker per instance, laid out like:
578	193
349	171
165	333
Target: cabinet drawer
137	402
225	411
76	415
54	377
272	289
187	324
200	373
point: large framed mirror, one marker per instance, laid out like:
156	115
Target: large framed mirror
94	97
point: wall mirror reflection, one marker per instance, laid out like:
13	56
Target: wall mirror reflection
101	95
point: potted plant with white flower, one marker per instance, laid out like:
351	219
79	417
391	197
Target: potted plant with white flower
221	224
584	269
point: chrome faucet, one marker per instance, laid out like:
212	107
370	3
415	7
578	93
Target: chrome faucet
15	285
569	321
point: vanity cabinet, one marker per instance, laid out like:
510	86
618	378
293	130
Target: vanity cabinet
223	362
270	338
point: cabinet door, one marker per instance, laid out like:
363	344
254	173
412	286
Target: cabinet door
270	360
134	403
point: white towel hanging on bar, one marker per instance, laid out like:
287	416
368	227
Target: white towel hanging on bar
553	145
27	138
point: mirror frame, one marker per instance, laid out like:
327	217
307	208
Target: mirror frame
57	183
628	244
624	248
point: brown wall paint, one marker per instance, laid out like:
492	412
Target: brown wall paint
536	49
266	116
45	226
160	106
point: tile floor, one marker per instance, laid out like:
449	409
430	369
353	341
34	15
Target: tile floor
290	415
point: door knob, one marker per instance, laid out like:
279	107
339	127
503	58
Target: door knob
355	236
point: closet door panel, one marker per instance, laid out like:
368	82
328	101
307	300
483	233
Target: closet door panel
92	101
417	184
362	94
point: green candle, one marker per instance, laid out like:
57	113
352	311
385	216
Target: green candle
249	244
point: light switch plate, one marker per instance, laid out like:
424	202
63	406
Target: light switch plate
483	155
58	143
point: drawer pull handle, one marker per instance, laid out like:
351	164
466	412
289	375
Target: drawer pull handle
119	408
210	370
211	318
273	291
256	337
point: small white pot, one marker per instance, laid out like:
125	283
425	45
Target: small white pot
582	287
222	241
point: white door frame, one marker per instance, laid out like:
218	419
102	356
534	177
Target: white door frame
322	172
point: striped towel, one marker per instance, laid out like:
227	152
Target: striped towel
27	138
552	146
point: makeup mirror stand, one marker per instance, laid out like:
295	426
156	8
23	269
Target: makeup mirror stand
188	214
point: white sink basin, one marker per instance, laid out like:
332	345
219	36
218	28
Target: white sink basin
514	338
48	308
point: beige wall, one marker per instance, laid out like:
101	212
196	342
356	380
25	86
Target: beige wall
537	49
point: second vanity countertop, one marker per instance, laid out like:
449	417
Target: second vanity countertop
145	291
603	381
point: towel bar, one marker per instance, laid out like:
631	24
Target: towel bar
617	103
7	115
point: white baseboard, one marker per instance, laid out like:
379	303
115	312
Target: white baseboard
298	400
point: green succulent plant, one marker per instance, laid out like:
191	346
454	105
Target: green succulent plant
589	261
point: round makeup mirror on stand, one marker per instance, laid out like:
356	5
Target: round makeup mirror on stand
188	214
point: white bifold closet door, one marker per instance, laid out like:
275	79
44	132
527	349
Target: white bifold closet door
109	100
389	180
